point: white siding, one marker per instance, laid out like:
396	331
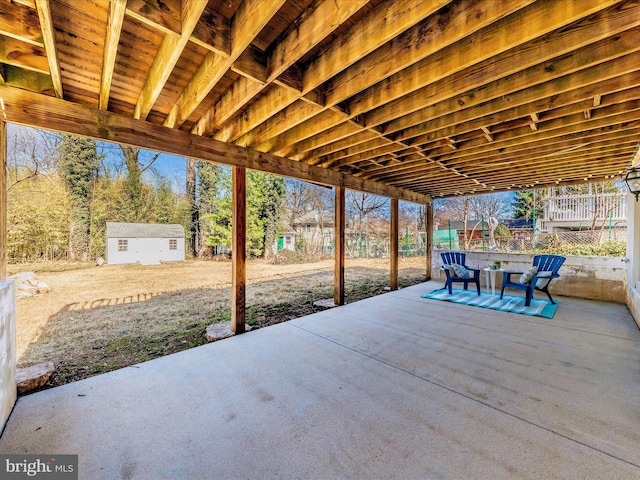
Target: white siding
147	251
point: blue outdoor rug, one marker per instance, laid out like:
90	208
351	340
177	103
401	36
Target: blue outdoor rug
540	308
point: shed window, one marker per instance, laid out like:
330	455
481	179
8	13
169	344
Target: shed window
123	245
173	244
287	240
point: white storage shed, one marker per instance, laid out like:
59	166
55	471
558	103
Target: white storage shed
145	243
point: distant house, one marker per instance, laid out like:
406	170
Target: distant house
520	228
145	243
316	228
286	241
474	228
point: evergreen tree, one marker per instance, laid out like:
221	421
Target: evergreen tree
268	193
265	194
78	167
165	203
208	183
523	204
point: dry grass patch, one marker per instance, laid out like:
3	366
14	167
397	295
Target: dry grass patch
97	319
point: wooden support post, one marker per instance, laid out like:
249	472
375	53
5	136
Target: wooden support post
393	280
3	200
238	245
428	223
338	271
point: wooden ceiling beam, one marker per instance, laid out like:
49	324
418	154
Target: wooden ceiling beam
594	159
28	80
544	148
602	74
117	9
213	32
49	38
513	176
250	64
539	18
609	163
614	143
164	15
367	146
492	62
325	17
578	167
21	22
40	111
250	18
27	3
168	55
405	53
341	145
509	61
549	97
384	23
607	117
514	116
358	157
24	55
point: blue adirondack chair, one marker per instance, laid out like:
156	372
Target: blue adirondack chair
547	265
459	258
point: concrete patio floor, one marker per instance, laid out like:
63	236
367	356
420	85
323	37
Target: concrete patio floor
395	386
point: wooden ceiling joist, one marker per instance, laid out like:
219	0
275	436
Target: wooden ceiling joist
600	73
170	52
20	107
597	28
117	11
316	26
382	25
405	98
48	36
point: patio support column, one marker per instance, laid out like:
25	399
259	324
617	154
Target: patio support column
393	280
338	270
3	200
238	245
428	241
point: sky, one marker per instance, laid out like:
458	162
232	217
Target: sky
171	167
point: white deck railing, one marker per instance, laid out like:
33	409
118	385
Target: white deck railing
587	207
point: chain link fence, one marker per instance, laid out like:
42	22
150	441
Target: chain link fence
608	242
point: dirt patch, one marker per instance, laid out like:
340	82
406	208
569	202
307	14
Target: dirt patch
97	319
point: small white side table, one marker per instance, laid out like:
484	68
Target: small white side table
490	278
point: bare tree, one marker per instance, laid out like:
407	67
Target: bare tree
30	153
365	206
297	199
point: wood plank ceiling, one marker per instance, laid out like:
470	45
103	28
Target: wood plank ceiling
437	98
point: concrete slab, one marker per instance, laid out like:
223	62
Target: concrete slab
391	387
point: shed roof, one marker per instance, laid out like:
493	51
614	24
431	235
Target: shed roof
144	230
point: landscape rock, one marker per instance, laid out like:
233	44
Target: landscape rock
221	330
27	285
33	377
325	303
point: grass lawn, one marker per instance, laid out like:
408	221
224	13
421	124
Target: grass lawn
98	319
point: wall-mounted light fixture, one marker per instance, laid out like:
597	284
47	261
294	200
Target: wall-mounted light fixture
633	181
